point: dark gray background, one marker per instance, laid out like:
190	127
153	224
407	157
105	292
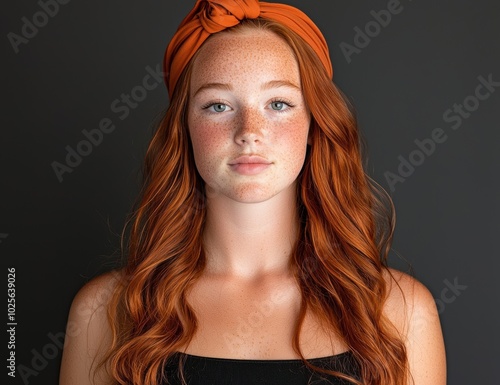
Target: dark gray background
58	235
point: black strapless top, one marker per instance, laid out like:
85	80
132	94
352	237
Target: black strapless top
225	371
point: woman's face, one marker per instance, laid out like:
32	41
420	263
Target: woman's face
247	117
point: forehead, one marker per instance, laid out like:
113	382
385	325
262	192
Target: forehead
244	55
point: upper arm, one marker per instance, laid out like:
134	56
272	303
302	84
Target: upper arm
88	334
413	310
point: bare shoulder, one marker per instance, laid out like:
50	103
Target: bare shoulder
98	291
412	309
88	332
406	296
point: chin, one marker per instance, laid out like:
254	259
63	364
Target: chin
257	194
252	197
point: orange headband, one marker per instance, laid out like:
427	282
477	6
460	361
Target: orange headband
209	17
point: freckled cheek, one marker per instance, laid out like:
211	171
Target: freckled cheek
292	145
293	136
208	139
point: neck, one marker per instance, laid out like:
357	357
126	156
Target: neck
250	240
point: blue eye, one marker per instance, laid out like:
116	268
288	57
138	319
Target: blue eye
219	107
281	105
278	106
215	107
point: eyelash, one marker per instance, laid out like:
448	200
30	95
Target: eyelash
284	101
277	100
213	103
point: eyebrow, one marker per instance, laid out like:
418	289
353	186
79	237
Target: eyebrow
216	86
267	86
280	83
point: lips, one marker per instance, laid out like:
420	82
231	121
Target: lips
249	165
249	159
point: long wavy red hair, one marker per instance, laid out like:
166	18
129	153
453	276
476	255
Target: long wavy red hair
340	255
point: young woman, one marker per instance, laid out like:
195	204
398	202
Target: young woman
257	251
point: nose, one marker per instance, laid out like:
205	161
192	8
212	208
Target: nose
250	127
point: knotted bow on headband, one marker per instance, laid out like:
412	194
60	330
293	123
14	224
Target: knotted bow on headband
209	17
